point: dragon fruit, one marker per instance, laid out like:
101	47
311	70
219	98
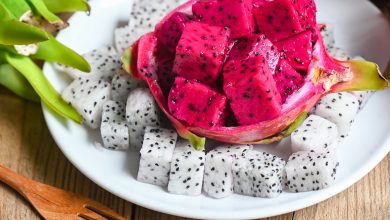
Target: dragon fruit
156	156
311	170
166	77
104	63
218	177
255	45
114	129
251	90
169	32
87	96
339	108
287	80
258	174
233	15
195	103
363	97
146	14
297	50
327	34
122	38
315	133
187	166
141	111
306	10
324	75
277	19
339	54
122	84
232	150
200	52
113	112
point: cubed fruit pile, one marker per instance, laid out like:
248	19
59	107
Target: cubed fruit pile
242	71
239	59
221	65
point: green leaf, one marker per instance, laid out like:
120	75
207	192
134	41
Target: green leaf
13	32
18	8
61	6
4	13
41	9
54	51
14	81
7	48
41	85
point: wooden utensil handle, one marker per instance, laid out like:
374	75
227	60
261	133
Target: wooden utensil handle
14	180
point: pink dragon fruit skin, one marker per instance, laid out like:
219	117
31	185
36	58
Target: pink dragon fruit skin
277	19
195	103
287	79
200	52
297	50
147	62
231	14
256	45
325	75
251	90
169	32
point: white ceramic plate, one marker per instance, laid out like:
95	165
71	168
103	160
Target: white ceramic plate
360	29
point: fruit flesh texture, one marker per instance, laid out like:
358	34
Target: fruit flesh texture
277	19
251	90
256	45
169	32
195	103
164	72
234	15
200	52
297	50
287	80
306	10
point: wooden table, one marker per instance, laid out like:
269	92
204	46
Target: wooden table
27	147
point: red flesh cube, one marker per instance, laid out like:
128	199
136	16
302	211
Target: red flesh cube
169	32
235	15
297	50
164	71
287	79
251	90
200	52
256	45
277	19
196	103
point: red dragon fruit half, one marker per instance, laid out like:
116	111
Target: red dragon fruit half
226	79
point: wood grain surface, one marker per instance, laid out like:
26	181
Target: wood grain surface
27	147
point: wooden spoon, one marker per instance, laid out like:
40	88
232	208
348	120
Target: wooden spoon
54	203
